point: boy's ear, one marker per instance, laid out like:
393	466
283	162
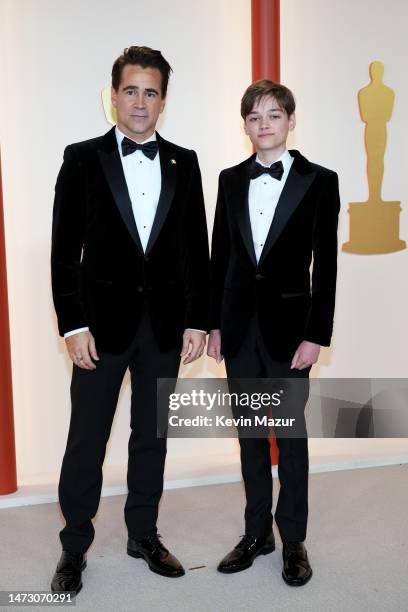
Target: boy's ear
245	127
292	122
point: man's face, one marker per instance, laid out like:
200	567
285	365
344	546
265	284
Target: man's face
138	101
267	125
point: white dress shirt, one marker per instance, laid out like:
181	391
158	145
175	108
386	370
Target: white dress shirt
143	180
263	197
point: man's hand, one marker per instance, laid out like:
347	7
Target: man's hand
193	345
81	348
214	345
306	355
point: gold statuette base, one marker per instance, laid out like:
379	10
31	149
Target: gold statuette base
374	228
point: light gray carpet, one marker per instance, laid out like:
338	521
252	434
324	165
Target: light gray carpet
357	542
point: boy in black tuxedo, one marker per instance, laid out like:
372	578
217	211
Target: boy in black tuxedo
130	279
275	212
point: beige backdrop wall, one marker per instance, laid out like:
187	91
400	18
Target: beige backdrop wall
55	59
326	48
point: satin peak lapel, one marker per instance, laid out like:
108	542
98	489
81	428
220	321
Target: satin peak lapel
292	194
240	194
168	164
112	166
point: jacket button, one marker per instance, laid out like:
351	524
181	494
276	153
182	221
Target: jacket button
146	259
259	276
140	289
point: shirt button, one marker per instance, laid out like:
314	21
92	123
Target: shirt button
140	162
143	193
144	227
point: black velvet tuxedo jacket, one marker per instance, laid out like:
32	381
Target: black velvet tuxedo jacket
291	306
100	274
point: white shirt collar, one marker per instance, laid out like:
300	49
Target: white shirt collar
285	158
120	136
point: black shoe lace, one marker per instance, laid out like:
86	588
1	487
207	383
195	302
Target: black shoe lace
246	542
71	560
154	540
292	551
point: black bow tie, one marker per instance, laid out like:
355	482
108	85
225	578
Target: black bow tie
275	171
148	148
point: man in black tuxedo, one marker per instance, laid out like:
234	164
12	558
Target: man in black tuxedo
130	279
276	211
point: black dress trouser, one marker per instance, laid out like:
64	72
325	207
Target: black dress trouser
94	396
254	361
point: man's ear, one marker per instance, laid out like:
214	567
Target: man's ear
162	105
245	127
292	122
114	95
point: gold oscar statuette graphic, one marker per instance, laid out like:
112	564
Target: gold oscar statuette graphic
110	111
374	225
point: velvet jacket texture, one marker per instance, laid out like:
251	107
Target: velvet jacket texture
291	304
101	277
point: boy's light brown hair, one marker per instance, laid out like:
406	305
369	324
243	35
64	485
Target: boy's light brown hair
265	88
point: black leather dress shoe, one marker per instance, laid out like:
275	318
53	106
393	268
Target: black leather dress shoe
243	555
67	576
158	558
296	567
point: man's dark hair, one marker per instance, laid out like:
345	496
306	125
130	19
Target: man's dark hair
146	58
260	89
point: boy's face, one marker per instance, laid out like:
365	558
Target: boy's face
267	125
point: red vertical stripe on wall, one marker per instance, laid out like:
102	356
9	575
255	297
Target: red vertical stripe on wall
8	476
266	40
265	17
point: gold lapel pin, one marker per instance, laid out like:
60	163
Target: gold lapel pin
173	161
